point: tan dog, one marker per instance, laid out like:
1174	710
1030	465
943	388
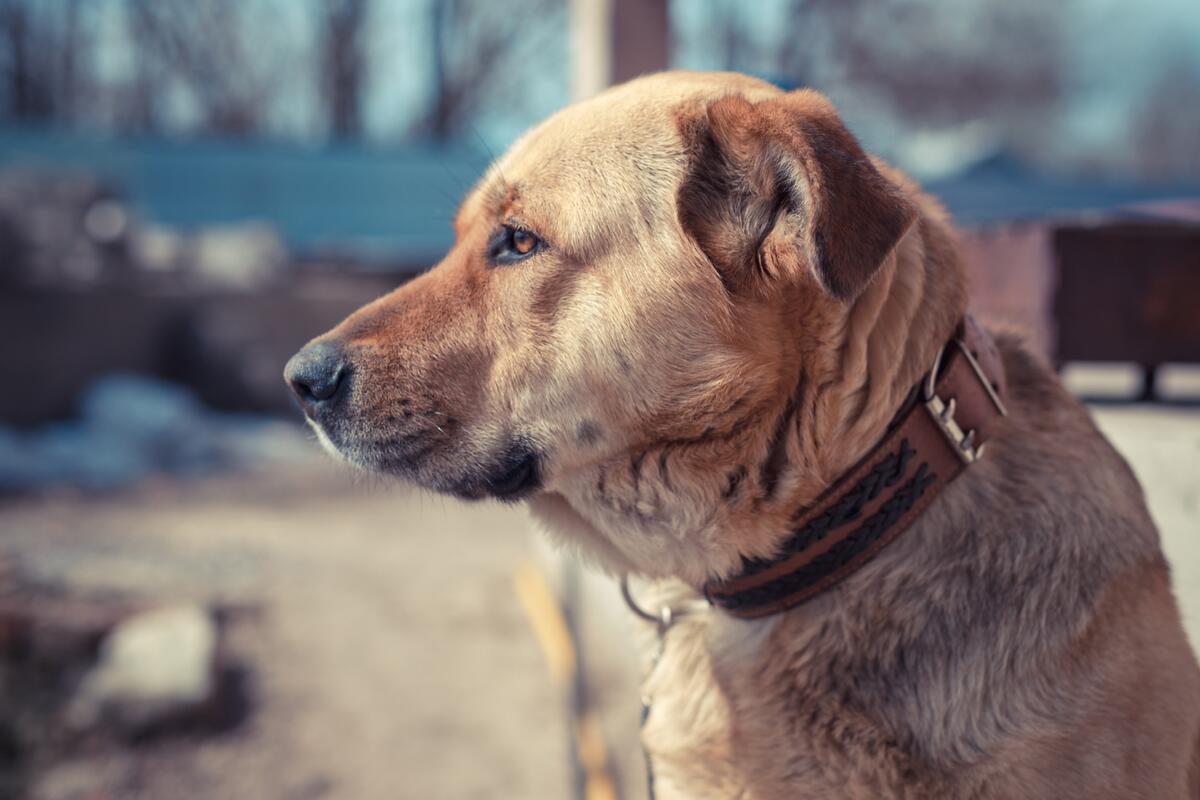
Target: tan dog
673	316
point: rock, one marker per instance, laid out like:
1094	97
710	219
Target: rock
165	423
157	667
240	257
137	406
157	249
69	229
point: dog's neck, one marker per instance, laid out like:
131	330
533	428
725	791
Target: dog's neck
695	510
890	337
876	352
941	429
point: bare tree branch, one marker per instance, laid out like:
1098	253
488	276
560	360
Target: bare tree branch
38	44
476	47
930	60
204	46
342	64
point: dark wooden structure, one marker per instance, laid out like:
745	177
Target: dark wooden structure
641	38
1128	291
227	347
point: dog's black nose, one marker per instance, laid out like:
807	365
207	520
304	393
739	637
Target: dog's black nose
316	374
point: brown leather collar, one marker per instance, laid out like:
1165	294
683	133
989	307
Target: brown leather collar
937	434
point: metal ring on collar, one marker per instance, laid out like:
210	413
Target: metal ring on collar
666	615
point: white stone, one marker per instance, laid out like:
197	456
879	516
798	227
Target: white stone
153	666
156	249
244	256
105	221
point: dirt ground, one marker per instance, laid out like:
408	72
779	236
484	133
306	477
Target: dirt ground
390	658
389	654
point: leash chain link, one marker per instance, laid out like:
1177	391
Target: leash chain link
663	621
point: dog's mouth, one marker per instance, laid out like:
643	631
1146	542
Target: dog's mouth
518	475
514	475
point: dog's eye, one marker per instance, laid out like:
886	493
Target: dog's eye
511	244
523	241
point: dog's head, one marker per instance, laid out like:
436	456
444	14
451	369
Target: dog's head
635	290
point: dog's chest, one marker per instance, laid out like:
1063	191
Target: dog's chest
688	729
726	721
715	729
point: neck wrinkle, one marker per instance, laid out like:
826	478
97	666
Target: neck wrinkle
857	378
879	363
883	345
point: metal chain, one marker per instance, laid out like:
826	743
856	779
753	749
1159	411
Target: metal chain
663	621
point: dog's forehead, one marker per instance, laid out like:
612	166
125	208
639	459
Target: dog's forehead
606	166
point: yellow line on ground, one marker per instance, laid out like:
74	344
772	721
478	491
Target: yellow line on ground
554	636
546	619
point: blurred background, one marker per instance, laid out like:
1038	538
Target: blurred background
195	603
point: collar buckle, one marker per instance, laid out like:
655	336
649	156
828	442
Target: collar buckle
942	410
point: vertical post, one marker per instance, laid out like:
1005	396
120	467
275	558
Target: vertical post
591	47
577	699
615	40
1149	391
641	38
591	72
611	41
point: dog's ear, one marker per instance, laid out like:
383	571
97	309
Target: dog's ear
781	185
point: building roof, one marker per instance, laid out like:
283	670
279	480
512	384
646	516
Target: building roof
392	206
395	206
999	189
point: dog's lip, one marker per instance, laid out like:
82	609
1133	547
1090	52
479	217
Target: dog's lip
520	479
400	461
408	446
397	454
514	475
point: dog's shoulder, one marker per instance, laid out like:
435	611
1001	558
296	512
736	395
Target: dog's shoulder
1054	464
1026	587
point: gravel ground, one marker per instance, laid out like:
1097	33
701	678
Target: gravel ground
390	656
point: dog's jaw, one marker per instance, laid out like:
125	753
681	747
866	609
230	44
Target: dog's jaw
328	445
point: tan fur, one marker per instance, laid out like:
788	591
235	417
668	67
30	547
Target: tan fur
732	302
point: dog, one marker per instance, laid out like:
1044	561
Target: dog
677	317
